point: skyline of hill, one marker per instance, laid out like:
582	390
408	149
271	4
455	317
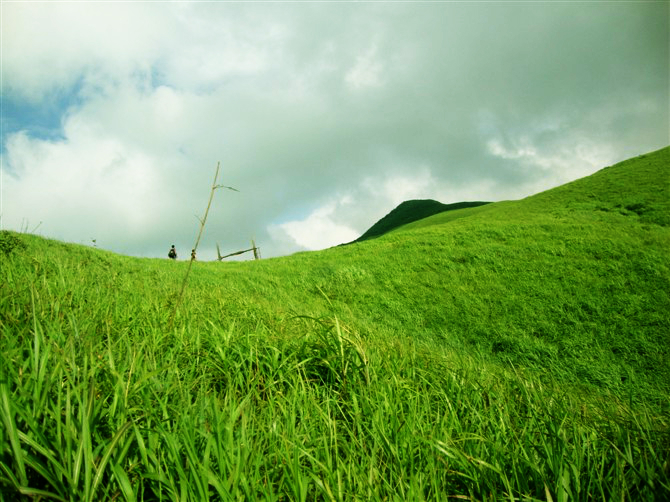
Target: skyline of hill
410	211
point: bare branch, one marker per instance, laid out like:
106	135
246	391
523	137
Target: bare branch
197	241
224	186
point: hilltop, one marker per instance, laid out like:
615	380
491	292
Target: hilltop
607	190
409	211
513	350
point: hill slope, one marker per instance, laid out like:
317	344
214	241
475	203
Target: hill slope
636	187
409	211
519	350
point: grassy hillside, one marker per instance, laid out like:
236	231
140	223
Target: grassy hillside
517	352
410	211
636	187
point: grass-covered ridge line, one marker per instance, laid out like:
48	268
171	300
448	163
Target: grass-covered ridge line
635	187
517	352
410	211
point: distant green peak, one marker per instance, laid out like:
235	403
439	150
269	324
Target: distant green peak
410	211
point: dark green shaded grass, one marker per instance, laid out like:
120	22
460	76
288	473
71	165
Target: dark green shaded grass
411	211
519	353
457	214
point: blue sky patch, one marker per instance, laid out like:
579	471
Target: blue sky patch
42	120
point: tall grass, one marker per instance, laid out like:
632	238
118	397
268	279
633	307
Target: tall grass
248	416
98	406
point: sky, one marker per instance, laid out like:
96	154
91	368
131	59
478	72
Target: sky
324	115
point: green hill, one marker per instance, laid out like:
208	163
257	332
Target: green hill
409	211
512	351
636	187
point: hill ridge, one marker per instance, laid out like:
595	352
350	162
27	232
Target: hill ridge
410	211
639	186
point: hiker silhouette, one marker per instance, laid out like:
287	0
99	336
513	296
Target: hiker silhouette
172	254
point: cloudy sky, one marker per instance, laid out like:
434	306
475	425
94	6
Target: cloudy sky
324	115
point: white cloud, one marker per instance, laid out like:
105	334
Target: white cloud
350	109
570	159
49	46
75	184
320	229
366	72
401	187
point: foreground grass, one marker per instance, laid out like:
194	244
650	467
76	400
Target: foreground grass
514	354
144	414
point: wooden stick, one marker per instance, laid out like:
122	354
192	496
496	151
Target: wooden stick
197	241
236	253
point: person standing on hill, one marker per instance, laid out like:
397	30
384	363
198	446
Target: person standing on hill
172	254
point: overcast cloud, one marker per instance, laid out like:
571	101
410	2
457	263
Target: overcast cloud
324	116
